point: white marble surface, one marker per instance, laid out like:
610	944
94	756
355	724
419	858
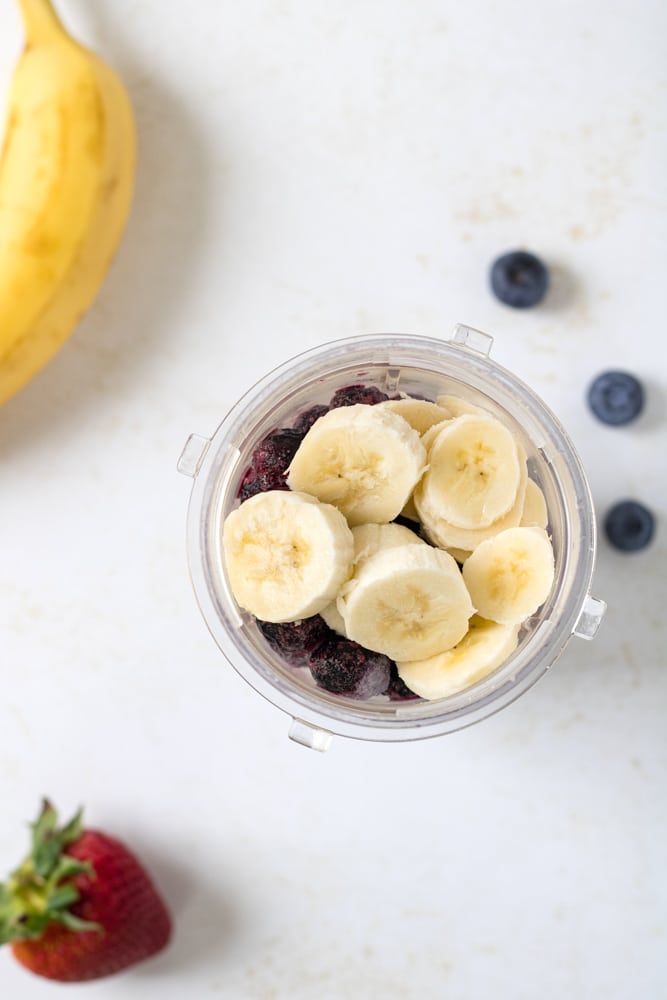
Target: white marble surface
311	170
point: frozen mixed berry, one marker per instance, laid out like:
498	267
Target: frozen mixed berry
519	279
344	667
260	482
629	526
616	397
275	452
305	420
296	640
398	690
350	395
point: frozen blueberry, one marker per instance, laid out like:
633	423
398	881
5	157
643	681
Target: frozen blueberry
260	482
344	667
296	640
349	395
398	690
277	450
306	419
519	279
629	525
616	397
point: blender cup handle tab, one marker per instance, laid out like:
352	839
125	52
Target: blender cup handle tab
192	456
310	736
589	620
474	340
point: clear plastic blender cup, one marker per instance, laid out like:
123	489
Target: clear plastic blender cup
417	366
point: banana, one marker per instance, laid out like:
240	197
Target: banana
419	413
367	540
286	555
510	576
66	179
535	514
458	406
473	472
408	602
448	536
364	460
484	647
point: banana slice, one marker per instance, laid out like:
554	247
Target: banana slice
364	460
510	576
459	554
457	406
429	436
407	602
286	555
448	536
367	540
419	413
535	514
484	647
473	472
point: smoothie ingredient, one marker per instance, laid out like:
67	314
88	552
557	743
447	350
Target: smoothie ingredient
629	526
457	405
484	647
473	472
419	413
295	641
269	463
364	460
398	689
344	667
510	576
519	279
449	536
351	395
535	514
287	555
616	397
305	420
407	602
66	179
80	906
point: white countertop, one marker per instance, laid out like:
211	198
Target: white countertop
308	171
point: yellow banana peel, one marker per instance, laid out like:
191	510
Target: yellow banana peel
66	178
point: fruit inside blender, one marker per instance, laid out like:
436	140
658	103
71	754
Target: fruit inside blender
388	541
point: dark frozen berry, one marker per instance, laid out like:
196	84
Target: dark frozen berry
344	667
296	640
306	419
276	451
519	279
616	397
629	526
260	482
398	689
350	395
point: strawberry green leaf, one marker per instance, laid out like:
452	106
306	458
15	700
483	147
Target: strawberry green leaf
74	923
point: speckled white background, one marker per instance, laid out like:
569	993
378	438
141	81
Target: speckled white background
310	170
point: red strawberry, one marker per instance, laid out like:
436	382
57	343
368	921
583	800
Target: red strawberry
80	906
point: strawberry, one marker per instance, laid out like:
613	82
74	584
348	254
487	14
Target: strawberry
80	906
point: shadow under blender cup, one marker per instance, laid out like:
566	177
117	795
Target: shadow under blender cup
418	366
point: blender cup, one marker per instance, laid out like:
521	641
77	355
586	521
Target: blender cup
422	367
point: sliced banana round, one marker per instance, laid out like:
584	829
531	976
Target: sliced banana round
510	576
473	472
449	536
484	647
407	602
429	436
535	514
286	555
457	405
367	540
363	459
419	413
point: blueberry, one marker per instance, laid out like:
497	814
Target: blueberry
397	689
616	397
276	451
306	419
349	395
629	525
344	667
254	482
296	640
519	279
